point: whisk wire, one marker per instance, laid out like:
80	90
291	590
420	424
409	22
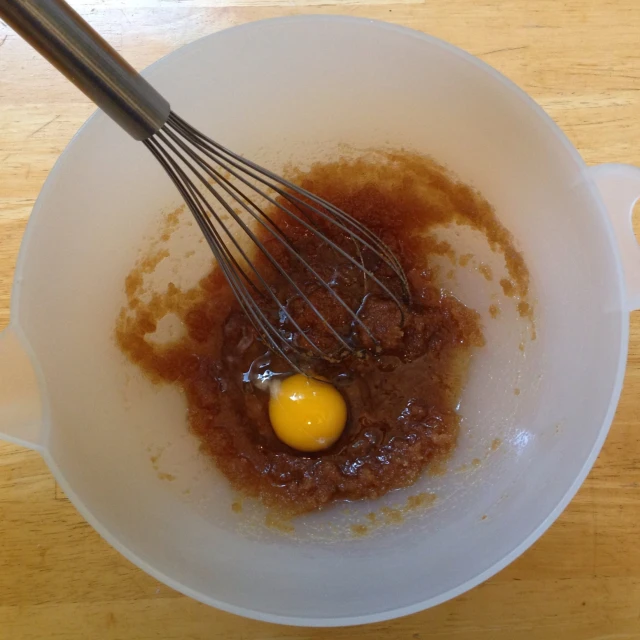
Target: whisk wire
191	159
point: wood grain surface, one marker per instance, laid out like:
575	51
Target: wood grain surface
580	59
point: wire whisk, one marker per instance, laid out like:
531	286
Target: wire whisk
219	186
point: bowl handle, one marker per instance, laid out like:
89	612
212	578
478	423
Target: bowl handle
619	186
20	402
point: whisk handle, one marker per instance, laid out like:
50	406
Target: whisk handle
54	29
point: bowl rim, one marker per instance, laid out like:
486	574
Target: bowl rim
97	119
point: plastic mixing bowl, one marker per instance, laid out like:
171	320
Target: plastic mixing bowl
303	86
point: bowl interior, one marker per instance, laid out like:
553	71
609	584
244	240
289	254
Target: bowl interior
298	90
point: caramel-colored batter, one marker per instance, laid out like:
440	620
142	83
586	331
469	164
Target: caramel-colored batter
401	399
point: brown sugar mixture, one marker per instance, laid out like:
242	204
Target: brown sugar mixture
401	397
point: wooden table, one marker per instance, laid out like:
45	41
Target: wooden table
580	59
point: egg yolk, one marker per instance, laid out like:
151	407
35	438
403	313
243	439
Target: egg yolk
306	414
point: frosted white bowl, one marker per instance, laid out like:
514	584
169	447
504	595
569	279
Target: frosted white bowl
301	86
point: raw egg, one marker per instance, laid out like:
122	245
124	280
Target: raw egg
306	414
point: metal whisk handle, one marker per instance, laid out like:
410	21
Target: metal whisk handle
54	29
